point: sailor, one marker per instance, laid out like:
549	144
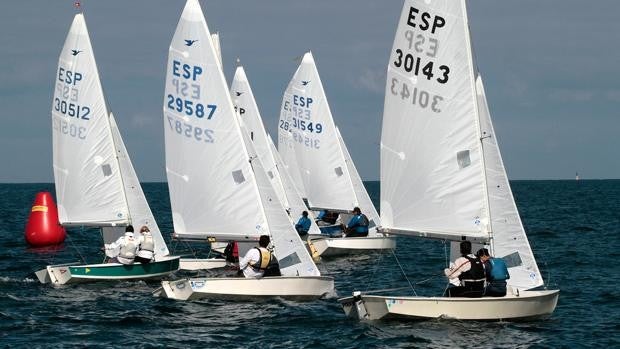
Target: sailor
146	249
303	225
258	260
358	225
466	273
496	273
124	249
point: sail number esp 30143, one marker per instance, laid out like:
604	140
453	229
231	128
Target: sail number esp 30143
417	58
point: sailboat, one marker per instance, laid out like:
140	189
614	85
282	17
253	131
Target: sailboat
247	110
219	189
309	136
444	177
96	185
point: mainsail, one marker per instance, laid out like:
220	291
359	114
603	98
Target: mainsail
89	187
306	114
213	191
432	175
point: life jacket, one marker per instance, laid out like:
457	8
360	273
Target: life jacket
128	250
499	270
264	256
475	272
147	243
231	252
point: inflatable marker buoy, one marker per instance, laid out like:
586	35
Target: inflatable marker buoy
43	227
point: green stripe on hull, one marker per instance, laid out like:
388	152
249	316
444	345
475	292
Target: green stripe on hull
133	271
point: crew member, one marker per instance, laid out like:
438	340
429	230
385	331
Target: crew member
303	225
496	273
258	260
146	249
358	225
467	273
124	249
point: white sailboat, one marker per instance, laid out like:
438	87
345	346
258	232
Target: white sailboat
219	189
444	177
96	185
247	109
323	163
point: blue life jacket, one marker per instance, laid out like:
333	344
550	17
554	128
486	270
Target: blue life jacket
359	223
499	271
303	224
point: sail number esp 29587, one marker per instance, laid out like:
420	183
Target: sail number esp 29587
184	101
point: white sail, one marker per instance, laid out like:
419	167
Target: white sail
296	203
215	37
245	105
212	186
290	251
286	148
139	210
364	201
88	182
432	175
509	239
319	156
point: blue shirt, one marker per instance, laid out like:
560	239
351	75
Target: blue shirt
303	225
359	222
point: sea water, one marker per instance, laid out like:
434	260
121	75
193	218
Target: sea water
573	227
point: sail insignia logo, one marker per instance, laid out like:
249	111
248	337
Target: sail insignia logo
75	52
305	82
238	93
189	42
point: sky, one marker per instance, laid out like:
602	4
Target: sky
550	70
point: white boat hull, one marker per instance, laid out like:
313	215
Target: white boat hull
289	287
521	306
202	264
331	247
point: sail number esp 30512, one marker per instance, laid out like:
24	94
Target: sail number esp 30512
69	111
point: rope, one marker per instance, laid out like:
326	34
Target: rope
75	247
404	274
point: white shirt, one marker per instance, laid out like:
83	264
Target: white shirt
459	266
251	257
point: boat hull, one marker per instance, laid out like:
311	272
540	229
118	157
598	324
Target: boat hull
289	287
521	306
74	273
333	247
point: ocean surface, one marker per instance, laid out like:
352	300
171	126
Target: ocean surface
573	227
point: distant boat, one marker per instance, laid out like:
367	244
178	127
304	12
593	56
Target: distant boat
442	175
95	181
309	137
576	176
219	189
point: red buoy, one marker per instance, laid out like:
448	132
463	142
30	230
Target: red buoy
43	227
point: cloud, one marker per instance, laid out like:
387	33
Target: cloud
372	80
570	95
